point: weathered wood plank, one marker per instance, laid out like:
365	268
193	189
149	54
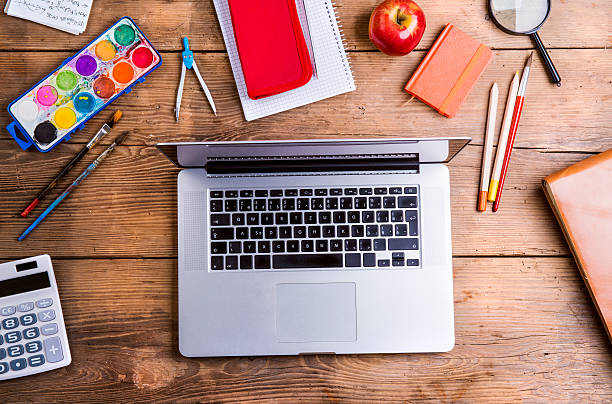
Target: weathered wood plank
525	330
127	208
574	117
165	22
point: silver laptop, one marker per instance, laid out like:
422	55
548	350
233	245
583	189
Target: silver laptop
325	246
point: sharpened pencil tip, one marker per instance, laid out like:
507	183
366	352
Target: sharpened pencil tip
121	138
115	118
528	64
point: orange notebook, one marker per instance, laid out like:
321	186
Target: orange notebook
581	197
448	72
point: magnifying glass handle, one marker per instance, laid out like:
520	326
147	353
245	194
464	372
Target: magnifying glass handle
552	71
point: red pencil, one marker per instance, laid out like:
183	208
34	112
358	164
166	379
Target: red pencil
516	116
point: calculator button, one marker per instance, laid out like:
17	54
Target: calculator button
7	310
31	333
36	360
4	367
42	303
1	340
33	347
10	323
27	320
24	307
46	315
2	353
53	349
15	350
11	337
49	329
18	364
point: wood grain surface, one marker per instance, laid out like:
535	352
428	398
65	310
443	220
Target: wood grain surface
526	330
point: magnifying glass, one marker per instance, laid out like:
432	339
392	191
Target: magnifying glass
525	17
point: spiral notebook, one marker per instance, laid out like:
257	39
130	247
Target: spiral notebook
333	70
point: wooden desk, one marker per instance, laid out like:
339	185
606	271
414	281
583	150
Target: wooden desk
526	328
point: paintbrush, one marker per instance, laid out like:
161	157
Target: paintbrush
106	128
76	182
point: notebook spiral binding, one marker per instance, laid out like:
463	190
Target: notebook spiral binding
341	40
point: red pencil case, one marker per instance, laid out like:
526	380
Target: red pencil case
271	46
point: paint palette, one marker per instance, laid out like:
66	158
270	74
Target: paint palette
82	86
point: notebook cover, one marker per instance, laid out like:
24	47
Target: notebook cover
271	46
448	72
581	197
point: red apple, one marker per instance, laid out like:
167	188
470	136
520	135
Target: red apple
397	26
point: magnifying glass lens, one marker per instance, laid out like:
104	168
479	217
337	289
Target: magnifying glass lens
520	16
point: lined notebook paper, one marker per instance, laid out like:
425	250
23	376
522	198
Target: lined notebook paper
333	71
66	15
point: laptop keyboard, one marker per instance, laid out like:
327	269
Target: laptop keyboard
306	228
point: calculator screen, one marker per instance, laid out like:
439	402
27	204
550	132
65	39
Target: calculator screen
24	284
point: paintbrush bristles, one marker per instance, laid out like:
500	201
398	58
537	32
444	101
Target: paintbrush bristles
121	138
115	118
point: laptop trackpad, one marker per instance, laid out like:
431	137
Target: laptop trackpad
315	312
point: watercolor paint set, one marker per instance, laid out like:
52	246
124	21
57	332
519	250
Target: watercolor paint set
82	86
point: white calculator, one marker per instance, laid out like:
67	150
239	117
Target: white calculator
32	332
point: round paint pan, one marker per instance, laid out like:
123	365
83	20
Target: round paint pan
105	50
45	132
142	57
64	118
84	102
86	65
123	72
104	87
66	80
124	35
27	111
46	96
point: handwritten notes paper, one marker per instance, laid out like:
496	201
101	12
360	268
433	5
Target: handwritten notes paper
66	15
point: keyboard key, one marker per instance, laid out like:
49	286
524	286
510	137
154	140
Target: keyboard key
291	192
246	193
412	262
386	230
259	205
292	261
231	262
262	262
335	245
46	315
25	307
346	203
365	191
256	233
307	246
31	333
10	323
4	367
222	233
395	190
314	231
282	218
350	191
339	217
384	263
350	245
295	218
335	191
382	216
353	216
242	233
36	360
397	216
231	194
18	364
48	329
397	255
357	230
288	204
216	194
278	246
15	350
401	230
274	204
371	230
53	349
267	219
407	201
380	244
317	204
249	247
263	247
361	203
397	263
367	216
246	262
12	337
220	219
321	192
329	231
238	219
7	310
216	205
284	232
324	217
261	193
235	247
245	205
352	260
331	203
374	202
305	192
33	346
216	263
343	231
403	244
380	191
276	192
253	219
410	190
293	246
303	204
299	232
321	245
369	260
270	233
365	244
413	222
27	320
389	202
231	205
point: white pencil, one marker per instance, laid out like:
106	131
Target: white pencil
503	137
487	154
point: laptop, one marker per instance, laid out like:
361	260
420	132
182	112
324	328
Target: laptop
322	246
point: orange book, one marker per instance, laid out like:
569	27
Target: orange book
448	72
581	197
